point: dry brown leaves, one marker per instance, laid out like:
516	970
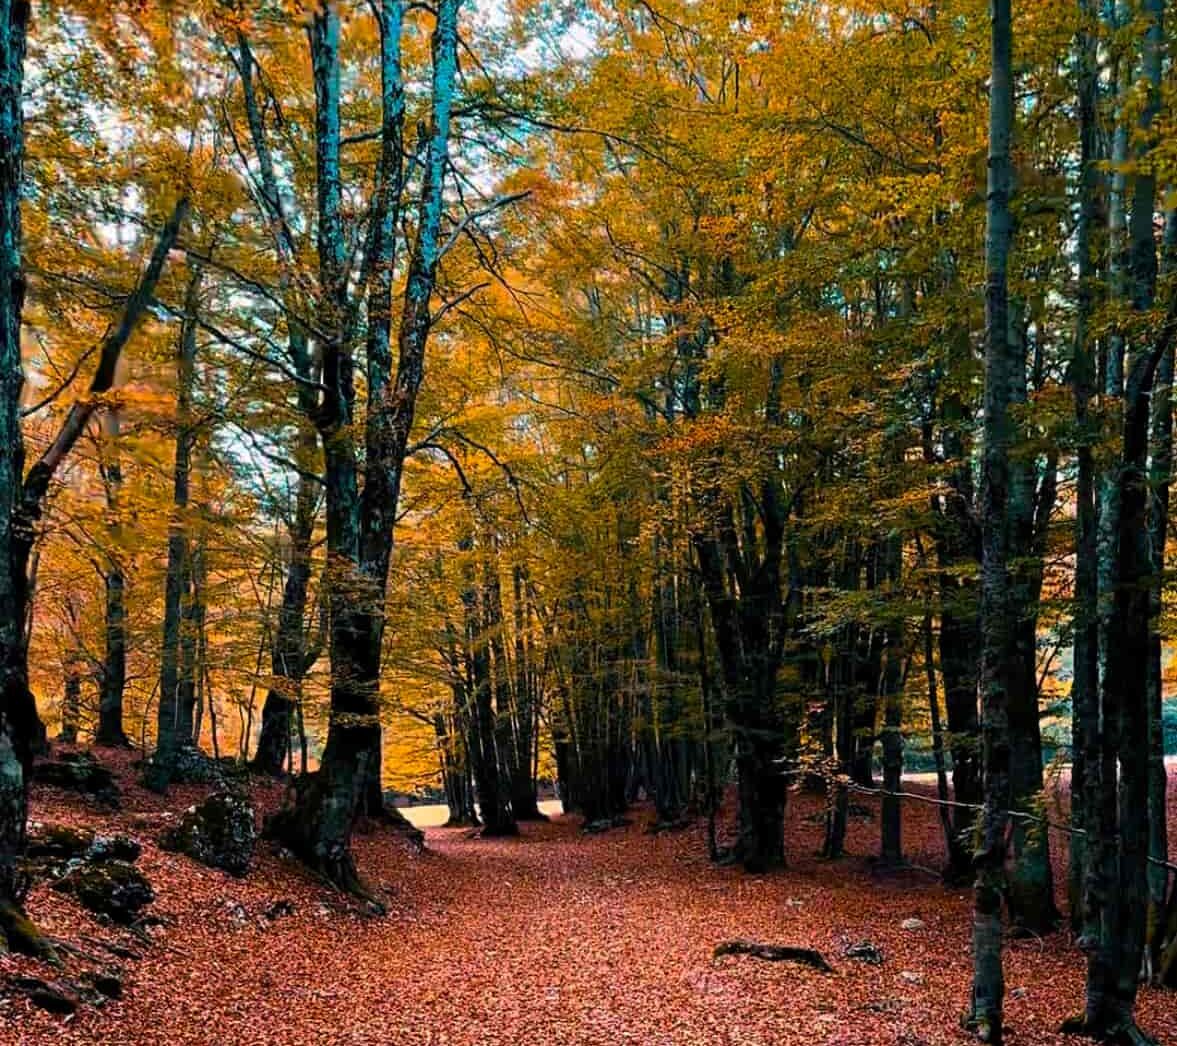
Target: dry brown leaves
554	938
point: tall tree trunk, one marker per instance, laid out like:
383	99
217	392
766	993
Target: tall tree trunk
748	631
524	803
173	728
71	702
290	653
489	781
15	699
1085	685
1121	884
22	497
890	689
113	677
1030	888
1160	478
958	546
359	525
290	659
999	668
937	729
191	630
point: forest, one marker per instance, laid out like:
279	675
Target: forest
587	521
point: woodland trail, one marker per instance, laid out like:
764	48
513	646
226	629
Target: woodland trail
521	943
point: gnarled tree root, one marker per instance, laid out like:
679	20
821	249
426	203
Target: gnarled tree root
19	933
334	866
391	817
773	953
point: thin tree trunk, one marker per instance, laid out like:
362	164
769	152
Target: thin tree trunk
191	628
937	730
113	677
888	555
173	731
71	702
289	658
1085	686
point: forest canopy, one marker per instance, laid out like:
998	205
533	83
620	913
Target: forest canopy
701	405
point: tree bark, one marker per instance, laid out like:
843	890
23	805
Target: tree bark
1120	883
318	826
290	659
999	667
1160	478
23	498
1085	686
113	675
173	722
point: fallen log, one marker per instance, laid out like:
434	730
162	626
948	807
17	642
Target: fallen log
773	953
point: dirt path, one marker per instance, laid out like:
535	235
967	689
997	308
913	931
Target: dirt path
557	938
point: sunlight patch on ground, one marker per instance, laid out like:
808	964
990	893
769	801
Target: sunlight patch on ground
434	815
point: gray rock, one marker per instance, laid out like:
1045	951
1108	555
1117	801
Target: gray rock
913	924
279	909
79	772
54	850
108	982
114	848
220	832
114	888
58	841
866	952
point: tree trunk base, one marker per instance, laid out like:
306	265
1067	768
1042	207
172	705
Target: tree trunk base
890	865
499	831
265	768
1123	1033
392	818
985	1028
311	827
958	871
676	824
106	739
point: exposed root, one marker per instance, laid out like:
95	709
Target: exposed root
392	818
332	863
1124	1033
20	934
773	953
604	824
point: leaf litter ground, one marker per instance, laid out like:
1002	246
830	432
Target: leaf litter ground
554	938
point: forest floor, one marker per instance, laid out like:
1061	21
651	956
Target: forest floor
550	939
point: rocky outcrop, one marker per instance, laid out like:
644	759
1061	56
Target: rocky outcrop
115	889
56	843
79	772
220	832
